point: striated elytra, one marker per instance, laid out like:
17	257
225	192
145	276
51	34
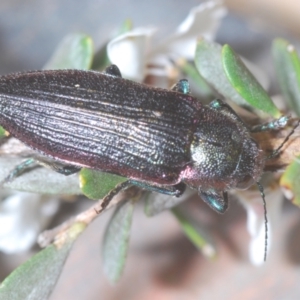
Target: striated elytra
161	140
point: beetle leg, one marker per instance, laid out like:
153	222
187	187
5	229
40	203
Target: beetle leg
275	152
273	125
182	86
113	70
19	169
172	190
218	201
34	162
58	167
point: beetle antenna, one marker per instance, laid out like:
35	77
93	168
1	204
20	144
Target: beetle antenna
262	193
276	151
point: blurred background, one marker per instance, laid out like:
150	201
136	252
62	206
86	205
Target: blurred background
162	263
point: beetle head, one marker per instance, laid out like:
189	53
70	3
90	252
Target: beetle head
224	156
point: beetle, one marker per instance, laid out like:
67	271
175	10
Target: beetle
161	140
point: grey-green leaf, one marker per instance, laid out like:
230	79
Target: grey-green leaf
95	184
287	65
245	83
208	60
74	52
116	240
36	278
2	132
201	87
196	235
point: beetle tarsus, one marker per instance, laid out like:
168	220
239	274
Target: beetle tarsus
217	200
273	125
182	86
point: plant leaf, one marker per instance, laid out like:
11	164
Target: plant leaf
287	65
208	60
74	52
36	278
193	233
245	83
2	132
289	181
190	70
95	184
116	240
209	64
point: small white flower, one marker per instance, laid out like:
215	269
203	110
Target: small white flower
131	51
128	52
22	217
